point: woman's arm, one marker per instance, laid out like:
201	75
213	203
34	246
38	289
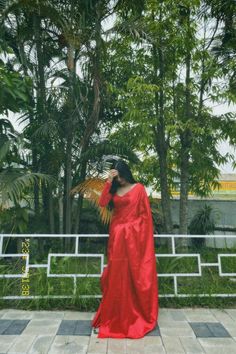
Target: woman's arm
105	197
146	230
145	207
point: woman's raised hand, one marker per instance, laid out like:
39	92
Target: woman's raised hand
112	173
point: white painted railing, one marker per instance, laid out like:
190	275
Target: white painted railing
27	266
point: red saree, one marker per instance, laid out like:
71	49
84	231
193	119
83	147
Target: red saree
129	283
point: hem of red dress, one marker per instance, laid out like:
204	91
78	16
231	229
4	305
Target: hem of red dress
112	335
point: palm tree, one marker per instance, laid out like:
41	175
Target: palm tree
203	223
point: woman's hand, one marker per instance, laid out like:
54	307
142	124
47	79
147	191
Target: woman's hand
112	173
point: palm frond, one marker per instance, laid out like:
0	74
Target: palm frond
47	129
4	149
106	147
14	182
91	188
8	141
6	125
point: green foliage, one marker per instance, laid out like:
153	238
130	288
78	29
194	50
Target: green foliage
15	219
15	87
14	94
15	182
203	223
85	92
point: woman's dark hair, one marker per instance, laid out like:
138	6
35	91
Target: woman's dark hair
124	171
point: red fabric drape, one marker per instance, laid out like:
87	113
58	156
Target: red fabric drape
129	282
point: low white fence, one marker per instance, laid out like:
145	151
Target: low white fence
26	256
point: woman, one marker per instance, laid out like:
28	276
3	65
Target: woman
129	283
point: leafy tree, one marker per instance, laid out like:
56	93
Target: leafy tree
82	89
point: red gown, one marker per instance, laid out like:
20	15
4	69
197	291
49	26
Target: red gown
129	282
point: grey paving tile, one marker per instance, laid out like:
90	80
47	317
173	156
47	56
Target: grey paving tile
17	315
164	316
42	327
22	344
232	313
69	345
231	328
78	315
200	316
4	324
115	346
216	350
2	311
173	345
153	345
75	327
98	345
135	346
16	327
177	315
154	332
177	332
218	345
201	329
6	342
56	315
41	344
218	330
176	329
83	327
174	324
222	316
209	329
67	327
191	345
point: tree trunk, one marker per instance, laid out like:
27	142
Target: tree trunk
159	132
51	211
42	117
184	181
97	78
22	58
185	140
60	207
80	198
71	64
68	184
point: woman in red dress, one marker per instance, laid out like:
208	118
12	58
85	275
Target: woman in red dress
129	282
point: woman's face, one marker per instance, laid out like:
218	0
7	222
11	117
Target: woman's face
121	180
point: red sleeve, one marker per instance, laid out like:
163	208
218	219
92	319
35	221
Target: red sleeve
105	197
146	225
145	207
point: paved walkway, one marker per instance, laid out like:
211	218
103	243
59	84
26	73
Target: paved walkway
178	331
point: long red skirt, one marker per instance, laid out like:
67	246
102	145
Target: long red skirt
129	282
